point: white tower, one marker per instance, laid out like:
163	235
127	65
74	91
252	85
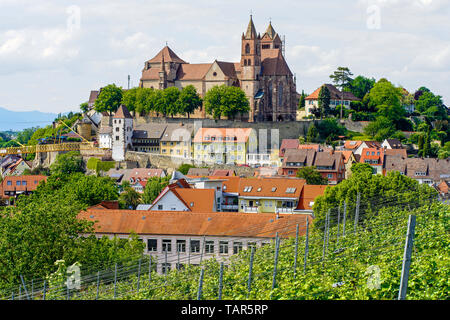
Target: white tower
122	133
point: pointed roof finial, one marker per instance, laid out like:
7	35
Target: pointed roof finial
251	30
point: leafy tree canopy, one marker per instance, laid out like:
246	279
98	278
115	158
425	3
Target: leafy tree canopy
109	99
312	176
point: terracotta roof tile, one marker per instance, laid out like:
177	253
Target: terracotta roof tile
193	71
122	113
309	195
168	55
335	94
271	187
194	224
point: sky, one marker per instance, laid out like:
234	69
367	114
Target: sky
53	53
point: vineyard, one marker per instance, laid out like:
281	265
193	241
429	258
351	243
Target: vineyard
357	252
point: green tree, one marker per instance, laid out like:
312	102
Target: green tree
302	101
342	79
386	99
225	101
129	98
67	163
361	85
129	199
189	100
84	107
313	134
312	176
380	129
153	188
184	168
361	169
330	129
109	99
170	96
324	101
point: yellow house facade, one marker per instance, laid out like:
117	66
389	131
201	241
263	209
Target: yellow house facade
223	145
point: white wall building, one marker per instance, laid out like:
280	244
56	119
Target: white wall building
122	133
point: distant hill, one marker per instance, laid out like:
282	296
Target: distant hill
19	120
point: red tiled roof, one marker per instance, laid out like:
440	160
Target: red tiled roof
335	94
192	71
309	194
288	144
271	187
197	200
122	113
352	144
168	55
273	63
195	224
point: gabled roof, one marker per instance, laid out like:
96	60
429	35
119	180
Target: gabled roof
196	200
178	132
335	94
352	145
167	55
306	157
264	225
227	68
396	152
394	143
271	187
149	131
192	71
309	195
122	113
199	172
274	64
288	144
222	173
347	154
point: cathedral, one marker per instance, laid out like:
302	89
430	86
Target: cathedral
262	74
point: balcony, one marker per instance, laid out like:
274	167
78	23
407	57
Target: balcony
250	209
284	210
230	207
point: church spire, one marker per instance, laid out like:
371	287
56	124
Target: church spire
270	31
251	30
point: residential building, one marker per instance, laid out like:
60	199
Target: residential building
373	157
147	137
224	145
180	196
135	175
425	170
349	160
330	164
366	144
392	144
444	189
122	133
308	196
262	73
13	186
336	99
269	195
177	140
14	166
195	236
105	137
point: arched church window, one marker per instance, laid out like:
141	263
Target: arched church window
249	62
245	62
247	48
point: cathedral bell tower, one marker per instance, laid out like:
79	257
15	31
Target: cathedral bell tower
251	64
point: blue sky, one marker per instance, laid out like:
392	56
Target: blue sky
52	53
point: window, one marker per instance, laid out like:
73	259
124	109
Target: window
266	46
291	190
160	206
24	183
18	183
117	129
152	245
9	183
330	175
195	246
181	245
237	247
223	247
167	245
274	189
251	245
117	138
165	267
209	247
247	48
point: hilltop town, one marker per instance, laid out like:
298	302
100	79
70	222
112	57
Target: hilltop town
213	159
